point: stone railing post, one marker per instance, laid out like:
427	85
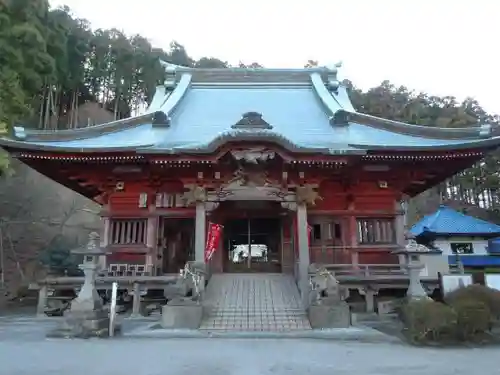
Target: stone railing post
42	301
136	301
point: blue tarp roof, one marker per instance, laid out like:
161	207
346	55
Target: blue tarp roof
475	260
494	246
446	221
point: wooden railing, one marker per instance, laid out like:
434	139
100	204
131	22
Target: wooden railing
365	269
134	284
373	270
105	282
343	254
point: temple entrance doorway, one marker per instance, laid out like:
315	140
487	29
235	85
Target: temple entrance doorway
175	244
252	245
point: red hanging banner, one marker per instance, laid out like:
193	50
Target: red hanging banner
213	240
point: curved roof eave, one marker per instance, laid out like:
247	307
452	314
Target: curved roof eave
28	146
421	131
162	103
243	135
489	143
336	100
30	136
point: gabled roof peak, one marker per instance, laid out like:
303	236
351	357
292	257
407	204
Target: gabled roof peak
251	74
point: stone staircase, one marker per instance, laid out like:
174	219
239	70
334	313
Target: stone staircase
253	302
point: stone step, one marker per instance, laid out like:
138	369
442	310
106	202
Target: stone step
256	310
253	302
254	313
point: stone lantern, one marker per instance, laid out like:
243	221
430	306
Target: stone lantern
413	263
86	316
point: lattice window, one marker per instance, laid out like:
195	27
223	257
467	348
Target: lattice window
128	231
327	231
165	200
376	231
462	248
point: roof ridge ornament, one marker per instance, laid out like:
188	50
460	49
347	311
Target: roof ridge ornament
19	132
485	130
252	120
170	70
340	118
333	82
161	119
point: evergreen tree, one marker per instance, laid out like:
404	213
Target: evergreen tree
57	257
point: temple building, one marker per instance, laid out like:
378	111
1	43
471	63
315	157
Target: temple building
279	158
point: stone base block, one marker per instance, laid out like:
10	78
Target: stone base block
83	326
333	316
175	290
387	306
185	314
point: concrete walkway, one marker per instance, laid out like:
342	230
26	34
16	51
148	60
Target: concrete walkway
253	302
31	328
24	350
236	357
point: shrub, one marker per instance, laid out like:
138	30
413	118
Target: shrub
427	320
479	293
466	316
473	318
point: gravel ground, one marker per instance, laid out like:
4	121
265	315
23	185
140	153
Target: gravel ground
24	350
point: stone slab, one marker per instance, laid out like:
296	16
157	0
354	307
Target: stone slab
82	328
330	316
357	334
181	316
387	307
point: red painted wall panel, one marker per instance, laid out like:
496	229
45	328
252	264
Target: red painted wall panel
128	258
377	257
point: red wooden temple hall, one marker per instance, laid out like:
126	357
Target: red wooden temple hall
263	152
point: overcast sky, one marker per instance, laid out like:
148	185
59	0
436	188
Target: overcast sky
443	47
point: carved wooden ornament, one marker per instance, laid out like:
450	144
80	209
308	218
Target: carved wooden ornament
195	194
307	194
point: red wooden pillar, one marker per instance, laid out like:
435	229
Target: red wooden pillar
353	235
288	255
152	244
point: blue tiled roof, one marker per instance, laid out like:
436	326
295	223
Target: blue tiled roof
446	221
475	260
299	105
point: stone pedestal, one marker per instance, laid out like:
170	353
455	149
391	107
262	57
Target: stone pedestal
181	314
330	316
412	254
86	316
328	308
415	288
85	325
